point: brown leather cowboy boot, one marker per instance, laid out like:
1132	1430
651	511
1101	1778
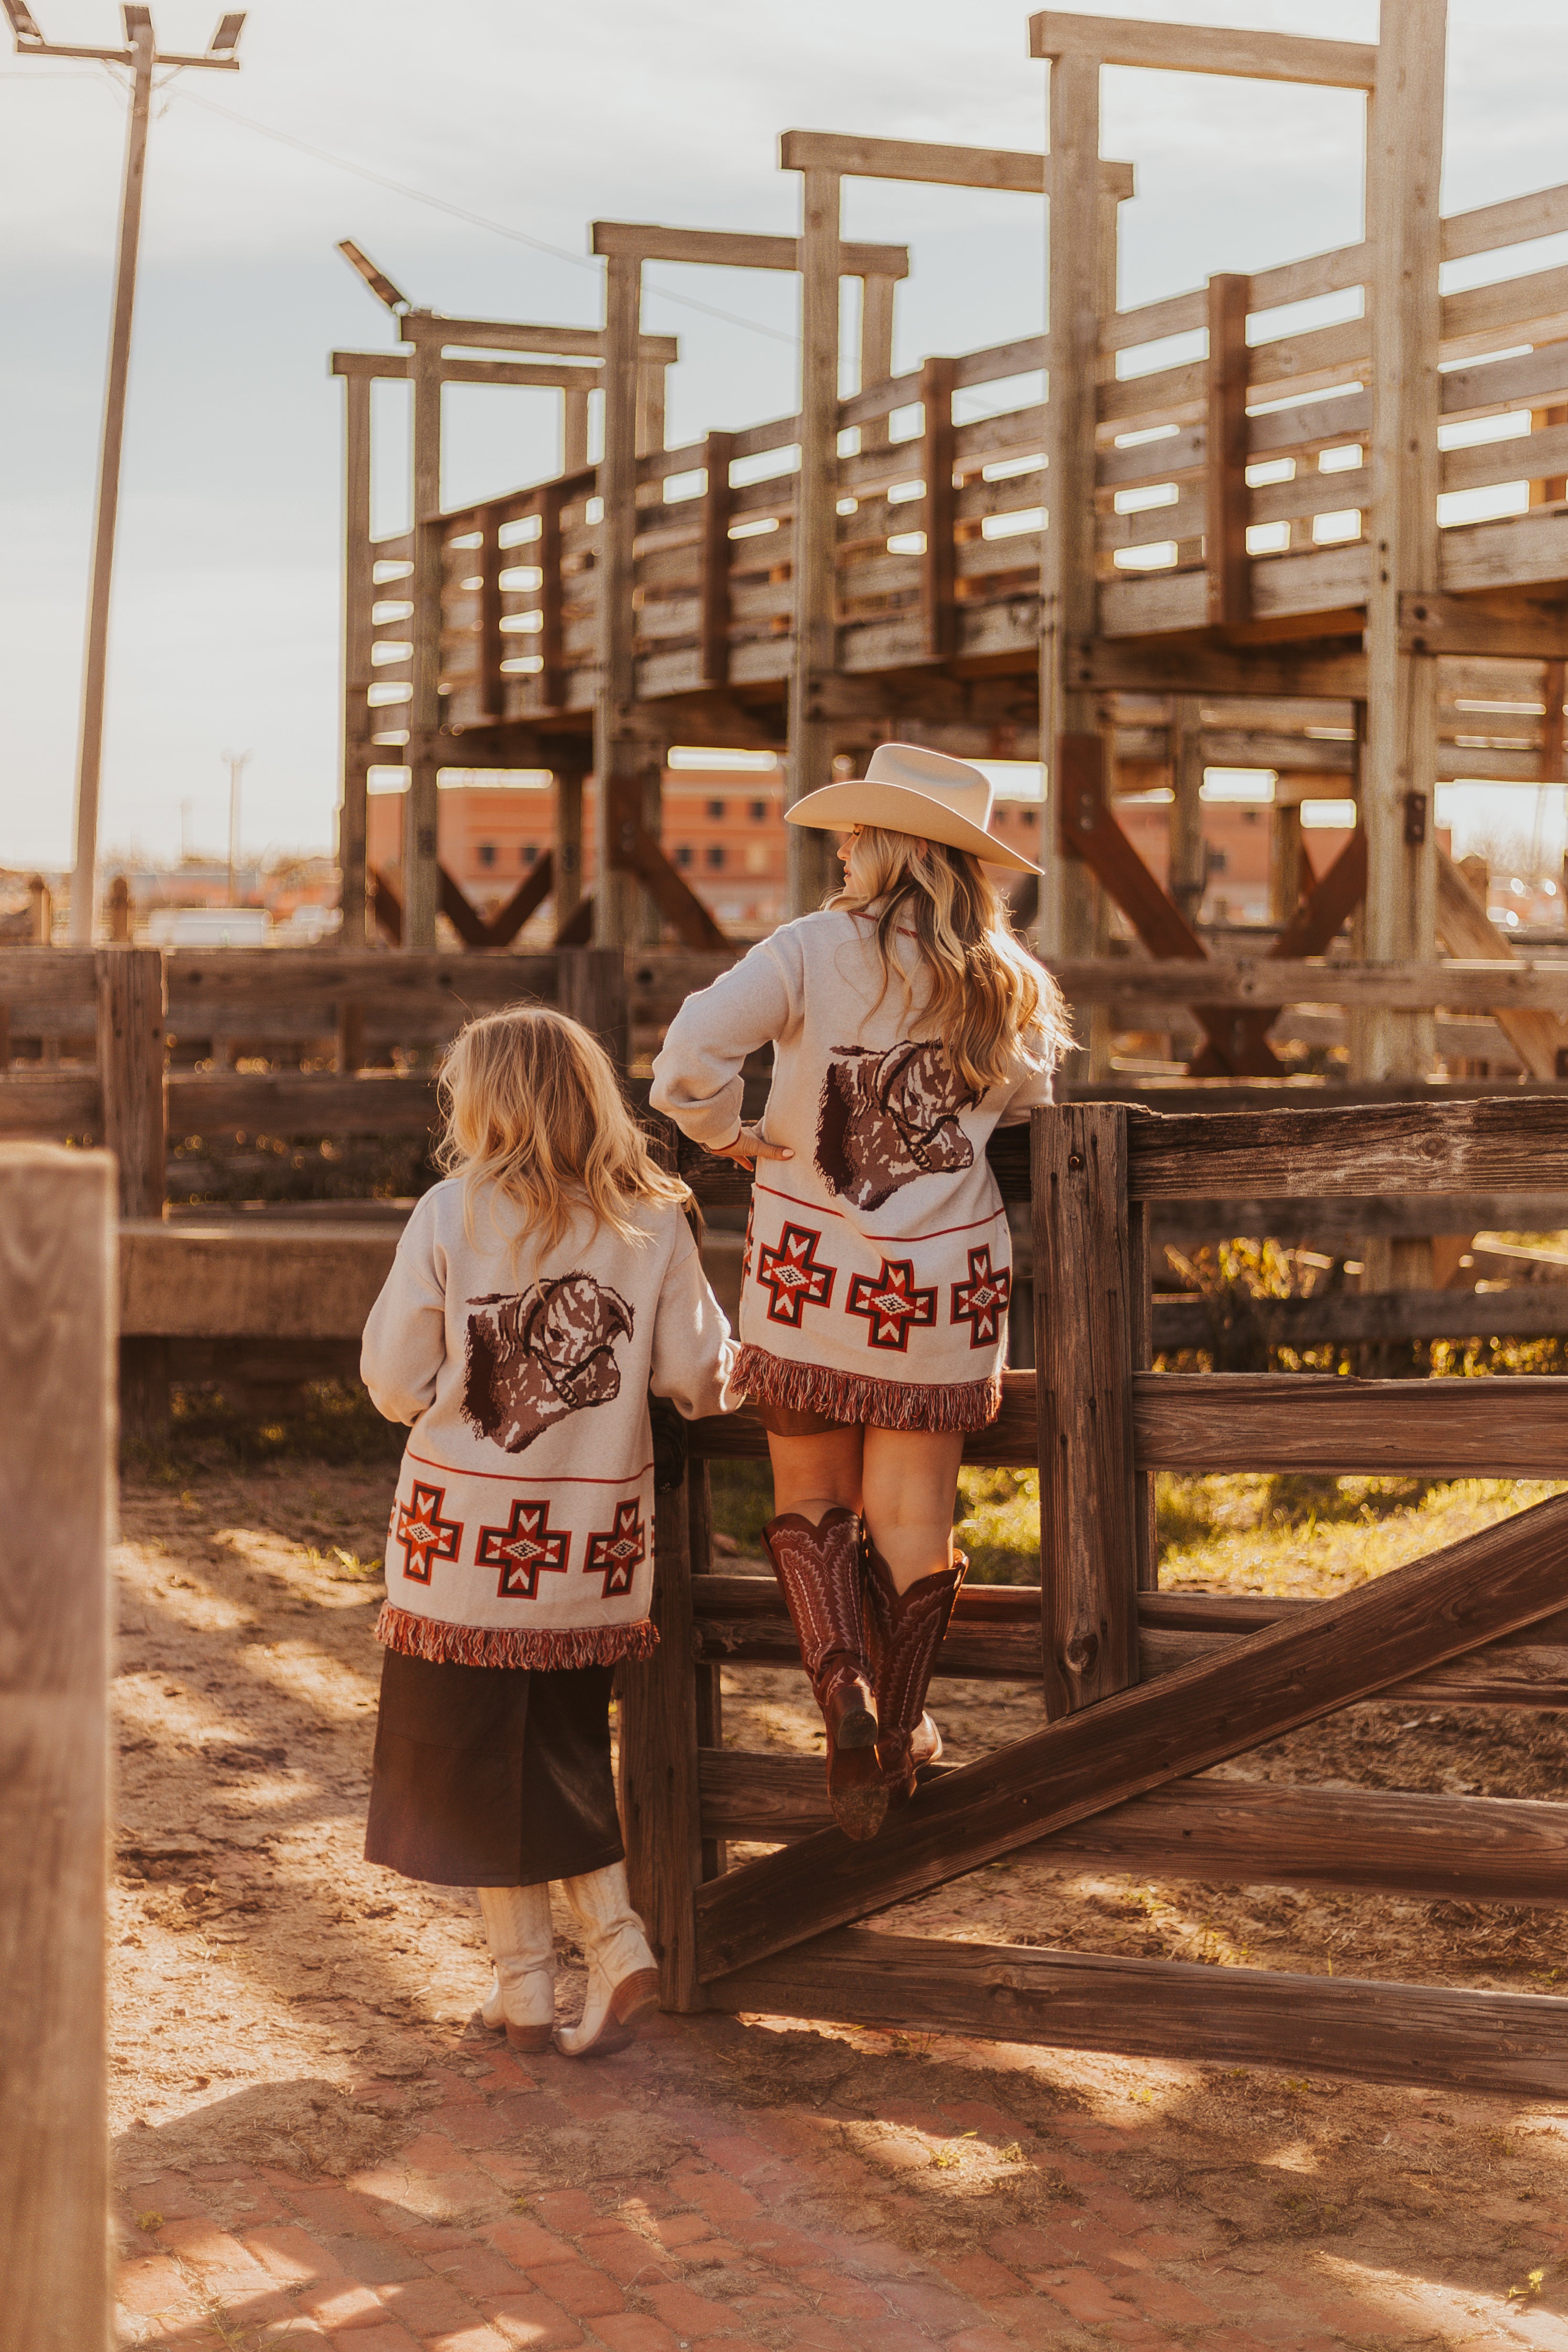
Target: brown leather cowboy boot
906	1631
820	1572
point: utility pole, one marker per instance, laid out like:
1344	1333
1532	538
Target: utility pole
236	762
141	54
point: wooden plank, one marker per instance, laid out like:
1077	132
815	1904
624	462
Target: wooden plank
1083	1348
1312	1423
721	248
660	1803
220	981
57	1404
130	1018
717	508
593	989
1202	667
291	1102
939	613
420	881
1468	984
1538	1037
240	1277
46	975
1202	48
1374	2031
620	747
1227	505
491	645
1235	1832
1515	1673
359	598
49	1105
815	641
1523	1312
909	159
422	327
1518	220
1493	1144
1334	1653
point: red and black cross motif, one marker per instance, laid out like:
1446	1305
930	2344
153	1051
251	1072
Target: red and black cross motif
982	1301
521	1549
621	1552
792	1277
891	1305
424	1535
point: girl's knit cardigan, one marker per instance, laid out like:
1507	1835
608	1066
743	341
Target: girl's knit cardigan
877	1272
521	1534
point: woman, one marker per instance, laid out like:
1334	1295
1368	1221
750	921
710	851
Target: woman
905	1022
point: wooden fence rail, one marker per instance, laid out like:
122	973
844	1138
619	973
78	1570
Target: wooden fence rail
1143	1690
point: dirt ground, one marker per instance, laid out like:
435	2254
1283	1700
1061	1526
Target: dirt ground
280	2004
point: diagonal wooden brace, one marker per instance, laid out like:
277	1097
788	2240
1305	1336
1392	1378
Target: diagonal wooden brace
1311	930
1342	1650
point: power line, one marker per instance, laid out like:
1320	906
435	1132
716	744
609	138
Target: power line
475	220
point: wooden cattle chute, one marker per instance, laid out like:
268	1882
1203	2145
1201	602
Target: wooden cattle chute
57	1453
1142	1690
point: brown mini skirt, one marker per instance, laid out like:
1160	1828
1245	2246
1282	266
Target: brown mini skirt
492	1776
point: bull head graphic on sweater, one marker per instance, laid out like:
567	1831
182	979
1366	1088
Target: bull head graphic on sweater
535	1356
888	1118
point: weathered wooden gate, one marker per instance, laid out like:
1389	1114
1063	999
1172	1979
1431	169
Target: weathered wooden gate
1142	1690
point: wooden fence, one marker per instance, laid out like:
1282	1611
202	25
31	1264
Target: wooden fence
1140	1690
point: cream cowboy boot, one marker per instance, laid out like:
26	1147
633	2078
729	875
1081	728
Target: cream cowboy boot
521	2002
623	1975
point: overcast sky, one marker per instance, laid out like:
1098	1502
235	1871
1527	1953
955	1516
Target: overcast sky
538	118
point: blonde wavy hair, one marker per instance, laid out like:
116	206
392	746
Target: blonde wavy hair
532	1113
988	997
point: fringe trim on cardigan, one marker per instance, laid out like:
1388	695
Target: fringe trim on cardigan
547	1649
850	1397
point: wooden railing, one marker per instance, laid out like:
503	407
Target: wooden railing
1142	1690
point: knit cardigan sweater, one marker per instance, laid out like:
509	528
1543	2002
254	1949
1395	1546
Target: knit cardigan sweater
877	1272
521	1534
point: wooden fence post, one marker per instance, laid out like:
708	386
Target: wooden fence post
57	1315
660	1814
592	988
1085	1347
131	999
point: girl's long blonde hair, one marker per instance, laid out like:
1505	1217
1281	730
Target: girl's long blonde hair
532	1113
988	997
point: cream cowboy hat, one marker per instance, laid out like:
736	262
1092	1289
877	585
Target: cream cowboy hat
908	790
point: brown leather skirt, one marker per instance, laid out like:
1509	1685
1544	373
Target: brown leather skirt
492	1776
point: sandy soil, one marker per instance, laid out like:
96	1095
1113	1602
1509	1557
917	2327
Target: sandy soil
278	2001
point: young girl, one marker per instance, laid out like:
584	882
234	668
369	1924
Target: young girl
536	1297
906	1021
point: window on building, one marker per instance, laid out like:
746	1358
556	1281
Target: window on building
716	810
715	855
530	853
1031	816
759	812
683	853
486	853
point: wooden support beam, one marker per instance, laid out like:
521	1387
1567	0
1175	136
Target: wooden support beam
57	1404
1311	930
1188	847
566	857
422	327
1226	500
359	596
659	1802
1511	625
492	644
552	594
620	749
1399	764
1336	1652
1203	49
130	1057
939	608
936	167
1084	1350
809	854
1238	1833
1195	664
593	989
1380	2032
737	249
532	892
1524	1310
718	504
876	350
421	884
1538	1037
397	367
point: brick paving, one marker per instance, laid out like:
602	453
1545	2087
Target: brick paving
666	2200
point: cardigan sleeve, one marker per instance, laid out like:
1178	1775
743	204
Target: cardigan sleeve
693	1353
405	1342
697	1079
1035	1085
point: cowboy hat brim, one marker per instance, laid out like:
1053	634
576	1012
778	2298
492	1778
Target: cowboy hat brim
898	809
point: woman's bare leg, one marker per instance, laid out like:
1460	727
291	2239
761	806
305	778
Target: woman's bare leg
813	1475
909	1481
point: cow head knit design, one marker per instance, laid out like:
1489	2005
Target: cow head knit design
886	1119
536	1355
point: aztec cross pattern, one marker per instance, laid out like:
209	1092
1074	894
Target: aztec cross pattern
891	1305
522	1549
424	1535
620	1553
982	1301
792	1278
